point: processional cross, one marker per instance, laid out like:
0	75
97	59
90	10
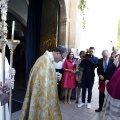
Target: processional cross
11	44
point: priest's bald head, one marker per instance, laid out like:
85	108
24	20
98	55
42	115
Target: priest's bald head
59	53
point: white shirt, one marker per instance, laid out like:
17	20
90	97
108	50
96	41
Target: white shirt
107	60
59	65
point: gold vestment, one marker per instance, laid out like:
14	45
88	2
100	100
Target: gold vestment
41	100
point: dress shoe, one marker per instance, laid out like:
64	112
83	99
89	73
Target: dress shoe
76	101
98	110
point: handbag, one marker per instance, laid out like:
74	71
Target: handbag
101	86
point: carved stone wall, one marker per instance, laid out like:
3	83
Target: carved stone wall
68	23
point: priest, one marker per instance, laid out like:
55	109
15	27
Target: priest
41	100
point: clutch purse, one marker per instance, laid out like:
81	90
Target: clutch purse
4	98
101	86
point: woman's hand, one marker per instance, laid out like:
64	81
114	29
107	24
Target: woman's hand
73	71
76	77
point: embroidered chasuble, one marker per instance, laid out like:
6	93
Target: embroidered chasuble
41	100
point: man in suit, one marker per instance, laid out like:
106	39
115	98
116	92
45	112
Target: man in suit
89	63
105	70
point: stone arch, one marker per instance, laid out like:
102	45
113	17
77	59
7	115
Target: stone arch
64	23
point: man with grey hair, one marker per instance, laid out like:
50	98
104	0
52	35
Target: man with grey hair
105	70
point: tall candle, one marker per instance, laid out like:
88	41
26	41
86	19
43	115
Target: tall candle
13	28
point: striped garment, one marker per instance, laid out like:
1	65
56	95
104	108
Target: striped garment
111	108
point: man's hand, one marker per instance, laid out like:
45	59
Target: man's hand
12	71
4	89
59	76
101	77
10	83
1	89
106	82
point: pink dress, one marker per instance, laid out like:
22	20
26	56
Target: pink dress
69	78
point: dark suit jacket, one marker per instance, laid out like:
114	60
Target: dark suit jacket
89	67
109	71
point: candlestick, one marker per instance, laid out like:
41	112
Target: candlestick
13	28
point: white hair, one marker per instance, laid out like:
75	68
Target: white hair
105	51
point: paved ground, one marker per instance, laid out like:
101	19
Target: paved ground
72	112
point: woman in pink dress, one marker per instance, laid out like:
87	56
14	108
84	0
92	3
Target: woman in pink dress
69	80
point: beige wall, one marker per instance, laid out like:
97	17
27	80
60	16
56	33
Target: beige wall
79	28
70	24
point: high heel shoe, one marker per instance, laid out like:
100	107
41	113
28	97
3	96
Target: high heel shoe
65	102
69	102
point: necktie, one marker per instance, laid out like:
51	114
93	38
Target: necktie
105	65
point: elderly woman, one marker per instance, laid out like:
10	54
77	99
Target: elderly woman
112	103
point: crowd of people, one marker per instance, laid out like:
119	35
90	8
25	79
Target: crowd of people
79	75
59	74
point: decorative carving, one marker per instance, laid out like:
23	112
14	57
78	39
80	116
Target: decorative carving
3	40
3	24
